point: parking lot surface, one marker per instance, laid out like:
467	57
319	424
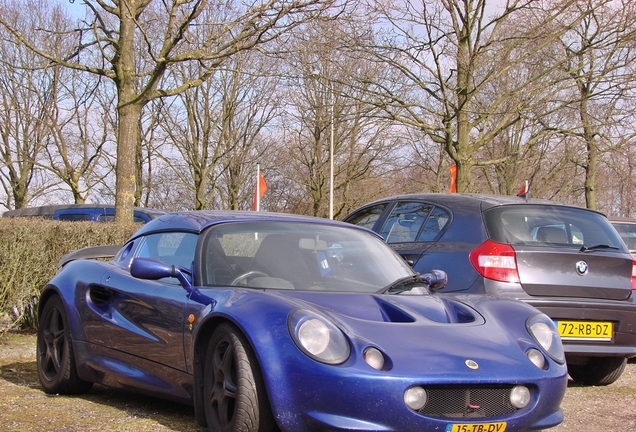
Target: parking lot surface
25	407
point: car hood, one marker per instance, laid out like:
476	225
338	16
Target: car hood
435	335
422	309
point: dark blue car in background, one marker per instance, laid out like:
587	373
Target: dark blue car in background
83	212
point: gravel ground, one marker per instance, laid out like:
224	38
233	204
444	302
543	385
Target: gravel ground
25	407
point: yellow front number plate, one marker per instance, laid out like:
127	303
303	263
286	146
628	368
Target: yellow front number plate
581	330
477	427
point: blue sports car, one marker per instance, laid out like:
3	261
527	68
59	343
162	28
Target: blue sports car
280	322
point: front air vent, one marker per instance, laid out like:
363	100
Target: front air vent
99	296
463	402
392	313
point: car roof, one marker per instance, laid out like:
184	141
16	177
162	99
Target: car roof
198	220
622	219
483	201
49	210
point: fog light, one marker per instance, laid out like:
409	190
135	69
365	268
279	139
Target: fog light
536	357
415	398
520	396
374	358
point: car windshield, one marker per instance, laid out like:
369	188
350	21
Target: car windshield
296	255
551	226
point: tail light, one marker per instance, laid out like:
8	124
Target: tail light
499	262
634	275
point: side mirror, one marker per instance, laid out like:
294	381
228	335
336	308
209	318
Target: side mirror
151	268
155	269
437	279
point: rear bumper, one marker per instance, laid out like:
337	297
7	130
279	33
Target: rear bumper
621	313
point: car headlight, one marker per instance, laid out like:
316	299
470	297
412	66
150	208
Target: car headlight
543	330
318	337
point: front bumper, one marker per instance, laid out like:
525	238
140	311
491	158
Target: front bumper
348	403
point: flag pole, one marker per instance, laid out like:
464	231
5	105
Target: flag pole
258	187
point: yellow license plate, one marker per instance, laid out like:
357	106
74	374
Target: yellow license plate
476	427
581	330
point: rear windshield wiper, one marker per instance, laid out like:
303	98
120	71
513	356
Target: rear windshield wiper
405	284
597	247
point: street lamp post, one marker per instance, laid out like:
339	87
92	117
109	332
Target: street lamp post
319	78
331	154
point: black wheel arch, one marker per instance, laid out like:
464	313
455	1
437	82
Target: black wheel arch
47	292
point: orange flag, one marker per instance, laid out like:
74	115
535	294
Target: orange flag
453	179
261	187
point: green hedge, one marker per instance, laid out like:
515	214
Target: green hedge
29	252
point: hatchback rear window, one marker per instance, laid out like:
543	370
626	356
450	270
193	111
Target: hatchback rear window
550	226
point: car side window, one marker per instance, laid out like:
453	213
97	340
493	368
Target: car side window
435	223
172	248
368	217
411	221
106	218
74	217
627	231
123	257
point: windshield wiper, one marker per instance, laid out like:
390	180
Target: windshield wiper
597	247
405	284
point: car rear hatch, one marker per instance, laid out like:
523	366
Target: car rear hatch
563	251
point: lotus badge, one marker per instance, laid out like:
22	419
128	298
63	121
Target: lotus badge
472	364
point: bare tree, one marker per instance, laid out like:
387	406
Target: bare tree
450	52
218	129
135	42
600	56
78	134
334	141
27	88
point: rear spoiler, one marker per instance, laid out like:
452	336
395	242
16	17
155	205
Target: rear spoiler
92	252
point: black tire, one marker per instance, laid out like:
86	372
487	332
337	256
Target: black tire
598	371
233	390
55	358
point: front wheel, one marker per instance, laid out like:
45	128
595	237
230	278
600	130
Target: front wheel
233	389
598	371
55	358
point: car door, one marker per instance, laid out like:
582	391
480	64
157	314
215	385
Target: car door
409	227
146	318
421	232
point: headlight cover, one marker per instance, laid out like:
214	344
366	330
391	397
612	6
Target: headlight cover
318	337
545	333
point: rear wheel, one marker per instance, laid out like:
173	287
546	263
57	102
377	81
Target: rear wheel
598	371
233	390
55	358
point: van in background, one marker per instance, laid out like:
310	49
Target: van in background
83	212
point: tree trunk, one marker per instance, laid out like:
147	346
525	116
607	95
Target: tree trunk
127	136
129	109
462	145
592	154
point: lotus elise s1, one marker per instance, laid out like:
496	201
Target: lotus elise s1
268	322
